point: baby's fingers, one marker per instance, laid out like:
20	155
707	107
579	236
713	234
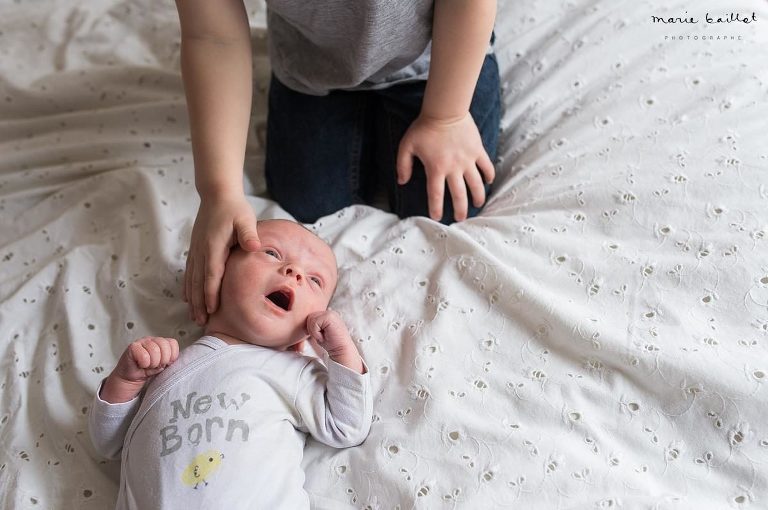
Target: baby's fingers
174	349
165	351
146	353
314	325
139	354
155	353
318	323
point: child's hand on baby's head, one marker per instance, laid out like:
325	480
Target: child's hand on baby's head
146	357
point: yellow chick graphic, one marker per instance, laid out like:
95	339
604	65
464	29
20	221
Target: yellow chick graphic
201	468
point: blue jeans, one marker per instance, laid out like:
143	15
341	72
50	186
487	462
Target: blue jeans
327	152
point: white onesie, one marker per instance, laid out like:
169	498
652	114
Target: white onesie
225	425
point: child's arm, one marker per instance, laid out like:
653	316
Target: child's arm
444	136
216	71
335	404
116	401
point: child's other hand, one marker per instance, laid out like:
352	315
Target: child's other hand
328	329
452	152
220	223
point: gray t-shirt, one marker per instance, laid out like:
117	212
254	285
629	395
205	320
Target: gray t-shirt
322	45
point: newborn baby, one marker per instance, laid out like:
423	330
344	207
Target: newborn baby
223	424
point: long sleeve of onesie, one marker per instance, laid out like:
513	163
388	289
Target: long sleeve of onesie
335	405
108	423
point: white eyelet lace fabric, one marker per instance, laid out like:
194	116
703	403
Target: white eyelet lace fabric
595	339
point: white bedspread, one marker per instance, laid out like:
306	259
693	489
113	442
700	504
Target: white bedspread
598	338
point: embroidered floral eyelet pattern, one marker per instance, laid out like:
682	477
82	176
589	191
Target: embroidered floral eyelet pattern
595	339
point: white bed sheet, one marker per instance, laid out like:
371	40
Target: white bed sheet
596	339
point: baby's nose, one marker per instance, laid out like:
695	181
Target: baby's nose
293	272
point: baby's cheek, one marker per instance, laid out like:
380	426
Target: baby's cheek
229	294
237	288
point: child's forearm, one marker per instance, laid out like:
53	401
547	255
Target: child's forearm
116	390
461	33
216	70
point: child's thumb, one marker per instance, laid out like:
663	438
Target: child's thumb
247	236
404	164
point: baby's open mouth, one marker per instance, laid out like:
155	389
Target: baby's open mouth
282	298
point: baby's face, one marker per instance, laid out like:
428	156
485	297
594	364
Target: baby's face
266	295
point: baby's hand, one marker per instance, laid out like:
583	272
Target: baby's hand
329	331
142	359
146	357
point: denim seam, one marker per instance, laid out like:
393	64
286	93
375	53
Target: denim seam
356	150
396	188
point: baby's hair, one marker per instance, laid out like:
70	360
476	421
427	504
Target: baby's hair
295	223
292	221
